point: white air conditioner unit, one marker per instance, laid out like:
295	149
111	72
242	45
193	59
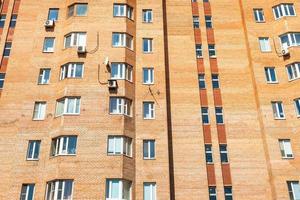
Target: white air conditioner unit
285	51
112	84
81	49
49	23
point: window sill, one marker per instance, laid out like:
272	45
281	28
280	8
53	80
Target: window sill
148	118
287	158
209	163
144	22
146	52
149	158
59	155
43	83
66	115
38	119
32	159
272	83
213	57
149	84
120	114
48	51
280	118
119	155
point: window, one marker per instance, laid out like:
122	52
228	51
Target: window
285	148
7	48
294	190
39	110
71	70
259	15
149	149
148	110
264	44
205	116
223	153
198	50
59	190
122	40
118	189
228	192
201	78
147	45
53	14
283	10
33	150
211	50
2	20
219	115
44	76
297	106
271	75
120	106
13	21
64	145
208	21
27	192
123	10
49	44
68	106
148	75
215	81
2	78
78	9
293	71
149	191
196	23
290	39
147	15
278	111
208	153
212	193
75	39
121	71
119	145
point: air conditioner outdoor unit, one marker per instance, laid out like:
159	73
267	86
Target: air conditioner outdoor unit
285	51
112	84
49	23
81	49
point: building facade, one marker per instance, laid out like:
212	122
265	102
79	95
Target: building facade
152	100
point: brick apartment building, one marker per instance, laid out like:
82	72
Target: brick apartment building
150	100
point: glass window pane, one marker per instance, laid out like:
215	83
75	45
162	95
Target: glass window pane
53	14
81	9
115	189
152	149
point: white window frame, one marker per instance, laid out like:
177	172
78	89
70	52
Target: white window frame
150	72
208	20
228	194
77	39
209	152
199	52
276	110
126	145
222	152
291	184
152	190
71	68
27	191
201	79
149	45
65	101
123	106
269	76
42	80
264	44
49	49
124	40
219	114
286	148
124	71
128	10
215	80
196	22
257	18
151	109
147	15
148	143
295	69
205	114
40	108
292	39
297	106
35	144
212	194
60	142
283	10
54	189
121	189
2	80
212	49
